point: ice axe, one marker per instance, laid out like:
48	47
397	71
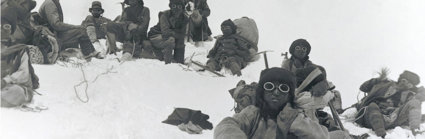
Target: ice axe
335	115
265	57
285	54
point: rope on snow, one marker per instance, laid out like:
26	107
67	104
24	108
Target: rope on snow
85	82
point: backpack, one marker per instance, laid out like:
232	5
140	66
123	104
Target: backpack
247	28
244	95
47	45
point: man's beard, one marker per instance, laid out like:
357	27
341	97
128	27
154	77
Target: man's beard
96	15
176	12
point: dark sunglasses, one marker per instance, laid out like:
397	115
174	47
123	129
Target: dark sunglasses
176	6
283	88
300	48
97	10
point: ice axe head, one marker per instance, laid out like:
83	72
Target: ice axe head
284	54
265	57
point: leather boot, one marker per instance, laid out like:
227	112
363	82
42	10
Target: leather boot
112	43
375	119
168	55
235	68
179	54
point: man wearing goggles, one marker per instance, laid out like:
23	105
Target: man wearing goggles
168	35
230	50
299	50
131	30
274	114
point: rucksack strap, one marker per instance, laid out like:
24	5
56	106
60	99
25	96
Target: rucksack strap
316	72
256	122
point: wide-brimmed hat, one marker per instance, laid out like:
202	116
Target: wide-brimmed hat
96	5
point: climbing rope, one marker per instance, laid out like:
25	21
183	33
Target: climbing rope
85	82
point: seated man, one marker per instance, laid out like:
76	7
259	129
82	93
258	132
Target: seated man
389	104
95	25
130	30
199	29
230	50
68	35
17	74
168	35
299	50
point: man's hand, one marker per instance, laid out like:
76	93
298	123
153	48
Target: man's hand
132	26
46	31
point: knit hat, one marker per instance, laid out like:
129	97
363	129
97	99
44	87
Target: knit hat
410	76
177	2
230	23
128	2
96	5
279	75
32	5
300	42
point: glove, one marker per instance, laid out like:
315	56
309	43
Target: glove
200	119
132	26
190	128
319	89
303	100
46	31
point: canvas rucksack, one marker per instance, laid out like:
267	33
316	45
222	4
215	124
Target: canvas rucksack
244	95
247	28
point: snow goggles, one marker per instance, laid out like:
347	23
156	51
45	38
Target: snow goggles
7	26
301	48
176	6
283	88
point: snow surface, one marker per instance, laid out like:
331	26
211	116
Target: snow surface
352	39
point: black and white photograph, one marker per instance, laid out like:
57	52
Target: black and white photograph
212	69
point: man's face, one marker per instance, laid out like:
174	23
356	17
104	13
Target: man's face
300	52
6	31
276	94
227	30
176	9
404	84
96	12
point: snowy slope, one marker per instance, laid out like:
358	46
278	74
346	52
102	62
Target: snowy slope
351	39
